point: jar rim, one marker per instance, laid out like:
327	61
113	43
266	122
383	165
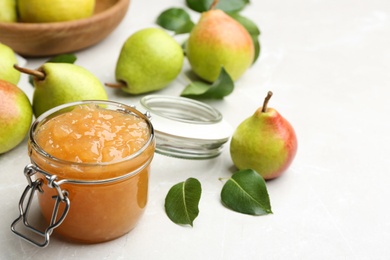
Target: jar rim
181	109
121	108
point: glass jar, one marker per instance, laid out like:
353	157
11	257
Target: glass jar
89	202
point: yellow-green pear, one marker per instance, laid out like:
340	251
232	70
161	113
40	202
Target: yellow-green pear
7	61
47	11
8	11
59	83
265	142
15	116
218	40
149	60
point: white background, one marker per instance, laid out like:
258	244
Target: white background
327	63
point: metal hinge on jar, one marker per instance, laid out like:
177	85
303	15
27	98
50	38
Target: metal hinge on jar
43	237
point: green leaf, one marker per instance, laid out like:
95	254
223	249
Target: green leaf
253	30
199	5
222	87
62	58
31	80
175	19
225	5
246	192
249	25
182	200
257	48
186	28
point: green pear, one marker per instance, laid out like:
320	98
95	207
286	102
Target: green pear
47	11
15	116
59	83
8	11
149	60
7	61
265	142
219	40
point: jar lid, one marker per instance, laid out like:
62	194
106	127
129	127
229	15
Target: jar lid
186	128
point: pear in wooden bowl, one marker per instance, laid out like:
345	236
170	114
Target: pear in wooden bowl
49	39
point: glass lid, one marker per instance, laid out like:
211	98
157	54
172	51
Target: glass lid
186	128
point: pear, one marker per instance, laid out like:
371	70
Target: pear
59	83
15	116
7	60
47	11
8	11
149	60
265	142
219	40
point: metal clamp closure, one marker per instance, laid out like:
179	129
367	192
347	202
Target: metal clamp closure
24	208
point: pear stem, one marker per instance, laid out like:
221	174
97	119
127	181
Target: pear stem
115	85
267	98
36	73
215	2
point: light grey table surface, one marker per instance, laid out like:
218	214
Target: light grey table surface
327	63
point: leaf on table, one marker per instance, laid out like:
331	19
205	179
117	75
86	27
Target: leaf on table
246	192
63	58
227	6
186	28
175	19
256	43
220	88
182	200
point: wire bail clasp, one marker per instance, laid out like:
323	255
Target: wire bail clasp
29	192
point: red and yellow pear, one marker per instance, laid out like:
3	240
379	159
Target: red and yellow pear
218	40
15	116
265	142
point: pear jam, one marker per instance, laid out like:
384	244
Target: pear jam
101	155
92	134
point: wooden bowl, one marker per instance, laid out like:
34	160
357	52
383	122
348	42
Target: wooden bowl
49	39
